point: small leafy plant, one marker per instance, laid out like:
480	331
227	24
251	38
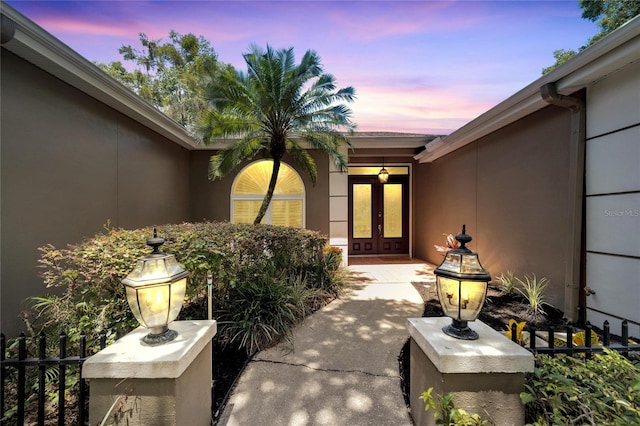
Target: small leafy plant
519	328
579	338
507	282
562	390
533	289
448	414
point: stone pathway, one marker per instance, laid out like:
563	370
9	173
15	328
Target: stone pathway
343	367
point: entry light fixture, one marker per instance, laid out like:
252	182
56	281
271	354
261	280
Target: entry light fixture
155	291
461	282
383	174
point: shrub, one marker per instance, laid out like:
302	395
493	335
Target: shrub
568	390
266	279
87	277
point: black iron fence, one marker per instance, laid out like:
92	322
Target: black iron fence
573	342
24	379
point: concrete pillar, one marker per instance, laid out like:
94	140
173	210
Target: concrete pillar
338	208
485	376
168	384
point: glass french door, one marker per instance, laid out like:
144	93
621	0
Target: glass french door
378	215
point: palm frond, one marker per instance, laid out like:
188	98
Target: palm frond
230	158
273	102
303	159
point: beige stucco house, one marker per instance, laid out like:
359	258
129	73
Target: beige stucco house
78	150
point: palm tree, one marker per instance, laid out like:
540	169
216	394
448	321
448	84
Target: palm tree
273	109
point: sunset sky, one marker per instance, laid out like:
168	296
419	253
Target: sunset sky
417	66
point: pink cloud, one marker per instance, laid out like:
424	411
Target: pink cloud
402	19
66	25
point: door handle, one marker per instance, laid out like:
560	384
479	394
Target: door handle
379	230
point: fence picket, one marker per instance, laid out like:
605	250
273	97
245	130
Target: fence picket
41	362
83	389
3	347
42	369
624	347
62	378
22	378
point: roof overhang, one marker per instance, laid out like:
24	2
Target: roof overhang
364	140
35	45
613	52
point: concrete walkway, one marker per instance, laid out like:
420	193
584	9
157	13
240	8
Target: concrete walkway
343	367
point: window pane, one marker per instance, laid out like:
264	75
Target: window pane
254	180
392	210
361	210
245	211
286	213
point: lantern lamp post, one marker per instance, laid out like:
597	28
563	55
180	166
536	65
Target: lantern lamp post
461	282
155	291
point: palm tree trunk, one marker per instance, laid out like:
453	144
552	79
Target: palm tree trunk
267	197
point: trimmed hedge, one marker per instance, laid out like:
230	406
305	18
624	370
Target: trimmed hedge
91	298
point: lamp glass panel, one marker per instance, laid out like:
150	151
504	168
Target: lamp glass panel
472	296
392	202
178	290
471	264
461	300
362	200
448	291
132	298
451	262
153	303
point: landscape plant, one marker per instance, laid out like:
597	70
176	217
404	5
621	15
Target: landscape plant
533	289
266	279
277	107
519	328
507	282
447	414
562	390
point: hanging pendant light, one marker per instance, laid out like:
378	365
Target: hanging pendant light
383	174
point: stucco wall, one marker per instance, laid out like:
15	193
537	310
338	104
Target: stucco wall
210	200
509	188
69	165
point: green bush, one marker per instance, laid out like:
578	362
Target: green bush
567	390
242	257
266	279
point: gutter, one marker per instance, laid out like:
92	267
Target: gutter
576	169
612	53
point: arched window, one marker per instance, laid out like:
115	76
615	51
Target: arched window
250	186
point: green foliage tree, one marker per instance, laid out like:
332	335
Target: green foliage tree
272	109
169	75
609	14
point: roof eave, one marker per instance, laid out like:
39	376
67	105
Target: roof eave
35	45
613	52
